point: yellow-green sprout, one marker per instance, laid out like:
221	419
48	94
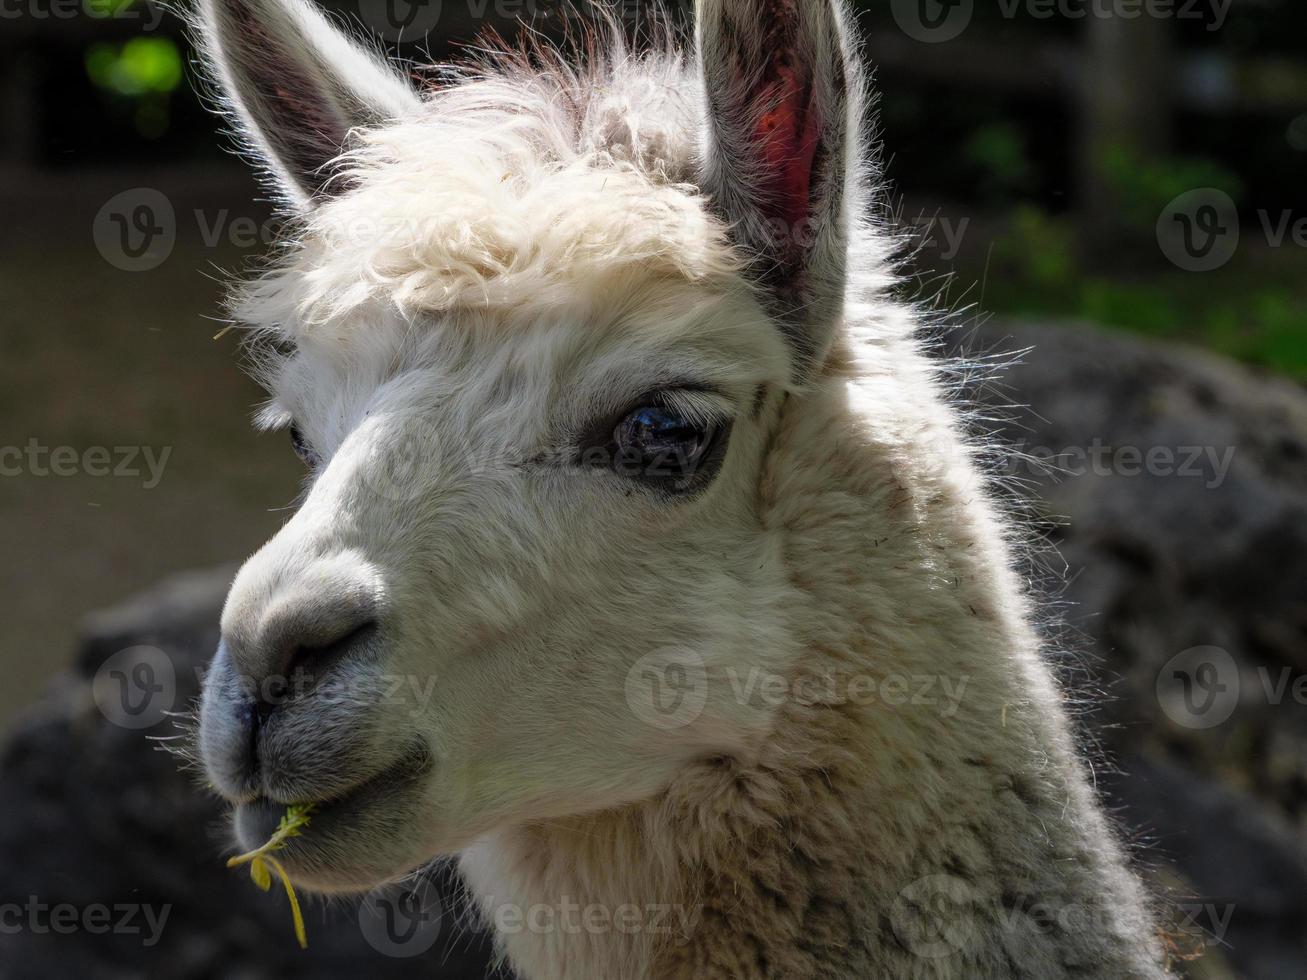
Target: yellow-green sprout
260	860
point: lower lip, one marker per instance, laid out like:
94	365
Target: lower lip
257	820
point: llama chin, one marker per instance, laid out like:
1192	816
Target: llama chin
645	565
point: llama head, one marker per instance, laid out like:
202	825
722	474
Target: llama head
531	335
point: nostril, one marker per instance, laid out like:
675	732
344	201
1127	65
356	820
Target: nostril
305	669
272	693
312	661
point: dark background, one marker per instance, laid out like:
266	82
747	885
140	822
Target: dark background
1040	158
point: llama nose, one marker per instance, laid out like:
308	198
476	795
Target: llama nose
297	647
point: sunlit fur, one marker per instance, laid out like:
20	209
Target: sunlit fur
523	250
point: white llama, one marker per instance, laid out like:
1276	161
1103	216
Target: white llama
643	565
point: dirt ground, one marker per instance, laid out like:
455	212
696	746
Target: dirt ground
95	356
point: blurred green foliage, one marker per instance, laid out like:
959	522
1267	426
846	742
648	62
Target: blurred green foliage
106	8
1143	186
1253	309
143	71
136	67
1036	262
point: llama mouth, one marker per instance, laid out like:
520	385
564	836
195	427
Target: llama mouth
388	797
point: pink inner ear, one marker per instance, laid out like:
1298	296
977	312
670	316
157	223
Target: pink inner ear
787	135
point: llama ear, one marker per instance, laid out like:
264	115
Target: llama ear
298	84
782	139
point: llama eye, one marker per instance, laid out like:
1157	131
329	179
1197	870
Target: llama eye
302	448
663	446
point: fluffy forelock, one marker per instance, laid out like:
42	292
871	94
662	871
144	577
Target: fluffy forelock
512	186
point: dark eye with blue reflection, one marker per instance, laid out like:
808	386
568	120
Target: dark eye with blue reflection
307	454
662	446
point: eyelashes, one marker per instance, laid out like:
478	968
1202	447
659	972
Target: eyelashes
666	442
303	449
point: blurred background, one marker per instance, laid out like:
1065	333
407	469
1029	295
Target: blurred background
1119	183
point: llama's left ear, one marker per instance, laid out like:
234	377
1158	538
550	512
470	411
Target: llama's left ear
298	84
780	155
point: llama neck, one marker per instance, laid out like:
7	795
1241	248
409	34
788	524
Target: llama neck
917	809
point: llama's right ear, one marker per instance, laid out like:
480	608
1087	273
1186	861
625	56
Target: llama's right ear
298	85
780	152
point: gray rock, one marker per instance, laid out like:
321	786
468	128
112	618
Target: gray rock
1198	552
1242	869
1154	561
